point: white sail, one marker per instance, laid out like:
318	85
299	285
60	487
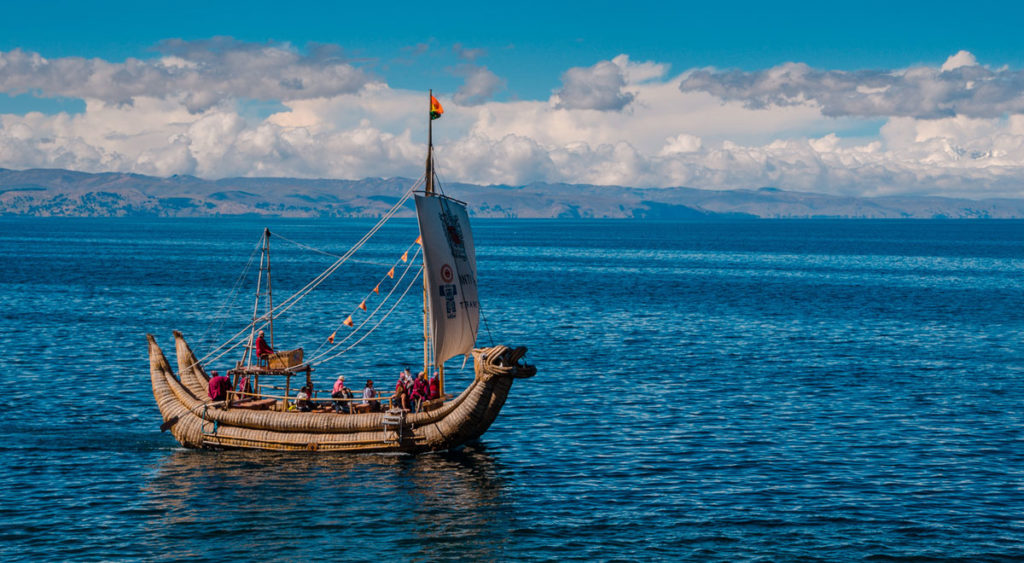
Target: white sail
450	275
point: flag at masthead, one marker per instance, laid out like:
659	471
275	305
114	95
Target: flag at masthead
435	112
435	108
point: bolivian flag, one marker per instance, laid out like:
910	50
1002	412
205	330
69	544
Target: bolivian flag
435	108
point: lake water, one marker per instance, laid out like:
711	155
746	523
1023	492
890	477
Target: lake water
760	390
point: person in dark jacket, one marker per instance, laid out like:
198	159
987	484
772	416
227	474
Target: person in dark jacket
302	400
219	387
263	350
341	392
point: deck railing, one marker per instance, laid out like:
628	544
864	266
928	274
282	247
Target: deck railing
234	395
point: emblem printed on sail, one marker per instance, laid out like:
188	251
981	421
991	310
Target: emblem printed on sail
450	273
449	292
453	232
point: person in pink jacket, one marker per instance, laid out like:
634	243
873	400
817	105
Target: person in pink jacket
420	391
435	387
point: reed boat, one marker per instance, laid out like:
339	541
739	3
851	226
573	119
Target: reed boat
258	412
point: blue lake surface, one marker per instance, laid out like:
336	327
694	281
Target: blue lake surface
754	390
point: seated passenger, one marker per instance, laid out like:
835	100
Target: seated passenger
435	387
244	386
219	387
263	350
369	393
420	391
401	397
406	377
302	400
341	392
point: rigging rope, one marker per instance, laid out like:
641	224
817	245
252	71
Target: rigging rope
370	316
236	290
384	318
278	234
297	296
480	307
291	301
375	290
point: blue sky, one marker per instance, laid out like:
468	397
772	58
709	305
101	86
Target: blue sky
531	43
556	76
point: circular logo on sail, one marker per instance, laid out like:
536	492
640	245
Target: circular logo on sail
446	274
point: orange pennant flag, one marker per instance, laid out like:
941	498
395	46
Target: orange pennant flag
405	256
331	337
377	289
391	273
362	305
435	108
419	240
348	321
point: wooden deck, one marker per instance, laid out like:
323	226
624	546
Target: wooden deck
261	370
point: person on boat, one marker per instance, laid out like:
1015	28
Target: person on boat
369	393
401	397
419	392
406	377
219	387
341	392
435	387
263	350
244	386
302	400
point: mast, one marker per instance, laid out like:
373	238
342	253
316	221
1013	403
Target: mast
270	289
247	355
428	189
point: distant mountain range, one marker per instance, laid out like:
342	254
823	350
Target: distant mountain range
67	193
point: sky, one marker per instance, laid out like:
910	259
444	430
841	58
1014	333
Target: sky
864	99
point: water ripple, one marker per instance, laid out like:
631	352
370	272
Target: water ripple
708	391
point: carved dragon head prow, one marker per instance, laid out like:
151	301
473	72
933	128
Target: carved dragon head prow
501	361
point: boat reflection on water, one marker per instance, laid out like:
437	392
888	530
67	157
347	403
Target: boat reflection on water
446	505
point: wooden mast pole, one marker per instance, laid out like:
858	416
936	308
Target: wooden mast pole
270	289
430	145
428	189
247	355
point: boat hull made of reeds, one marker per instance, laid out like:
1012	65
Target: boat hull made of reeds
197	422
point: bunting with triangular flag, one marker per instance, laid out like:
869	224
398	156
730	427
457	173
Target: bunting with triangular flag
349	322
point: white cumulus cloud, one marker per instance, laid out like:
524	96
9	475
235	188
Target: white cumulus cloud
480	86
599	87
954	129
960	59
958	87
198	73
